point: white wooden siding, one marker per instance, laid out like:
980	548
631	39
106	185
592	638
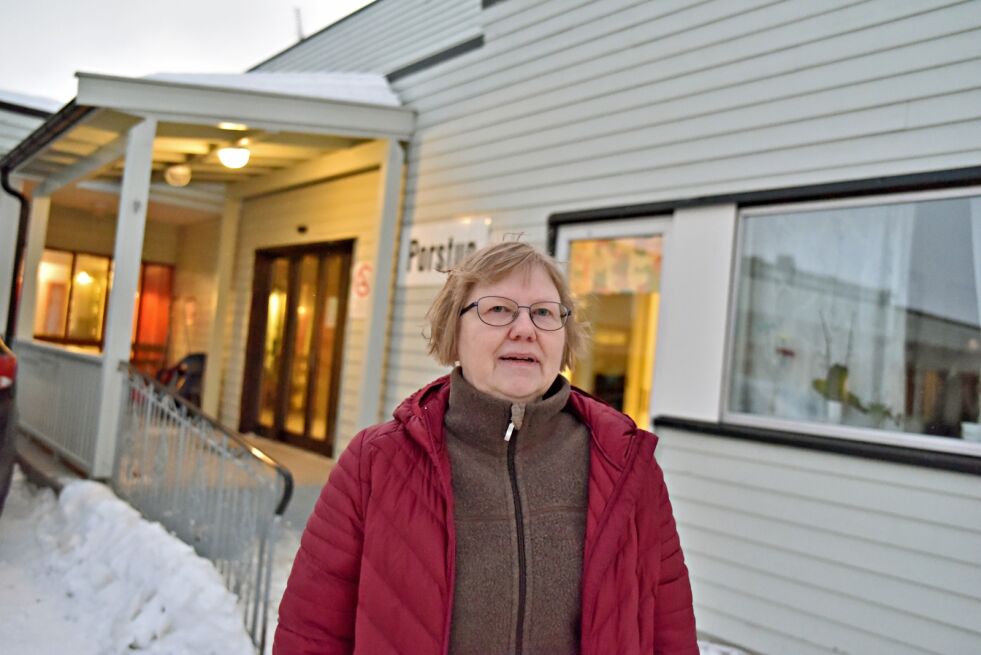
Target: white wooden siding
383	37
195	291
849	555
572	104
14	126
344	208
75	229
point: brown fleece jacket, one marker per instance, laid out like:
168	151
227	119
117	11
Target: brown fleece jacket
551	464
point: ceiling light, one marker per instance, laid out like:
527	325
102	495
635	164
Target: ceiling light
177	175
83	278
238	127
234	157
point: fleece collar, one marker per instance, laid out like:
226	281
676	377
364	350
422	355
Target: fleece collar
422	415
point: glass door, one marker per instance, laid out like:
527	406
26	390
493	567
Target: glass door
614	271
295	339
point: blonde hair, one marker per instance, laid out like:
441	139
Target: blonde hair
488	265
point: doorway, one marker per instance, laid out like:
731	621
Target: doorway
614	271
296	337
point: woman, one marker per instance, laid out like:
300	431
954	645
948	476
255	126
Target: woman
501	511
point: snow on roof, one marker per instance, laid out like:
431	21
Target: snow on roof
369	88
29	101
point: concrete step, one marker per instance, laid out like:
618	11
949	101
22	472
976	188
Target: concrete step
42	466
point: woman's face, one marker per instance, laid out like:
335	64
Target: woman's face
517	362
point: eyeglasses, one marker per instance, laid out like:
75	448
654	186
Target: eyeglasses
498	311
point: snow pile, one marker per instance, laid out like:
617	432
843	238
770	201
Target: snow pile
133	587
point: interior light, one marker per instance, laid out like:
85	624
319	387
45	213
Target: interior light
83	278
238	127
177	175
233	157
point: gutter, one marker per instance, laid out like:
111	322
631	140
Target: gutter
25	209
56	125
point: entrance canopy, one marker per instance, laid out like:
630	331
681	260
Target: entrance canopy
281	118
206	143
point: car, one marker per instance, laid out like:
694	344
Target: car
8	419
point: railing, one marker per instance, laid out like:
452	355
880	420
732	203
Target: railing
58	394
206	484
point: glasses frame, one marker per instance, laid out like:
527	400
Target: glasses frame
564	312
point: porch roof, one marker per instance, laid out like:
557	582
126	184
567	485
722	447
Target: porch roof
285	118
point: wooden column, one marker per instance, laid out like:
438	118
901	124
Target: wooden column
224	280
379	309
36	234
127	257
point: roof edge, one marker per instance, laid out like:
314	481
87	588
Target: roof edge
15	108
55	125
150	81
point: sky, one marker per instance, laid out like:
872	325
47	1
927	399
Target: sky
44	42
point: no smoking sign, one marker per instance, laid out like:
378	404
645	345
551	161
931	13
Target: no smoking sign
362	279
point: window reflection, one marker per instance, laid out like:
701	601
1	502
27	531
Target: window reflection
617	283
862	316
53	286
90	286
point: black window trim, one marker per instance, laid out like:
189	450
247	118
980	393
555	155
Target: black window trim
452	52
932	459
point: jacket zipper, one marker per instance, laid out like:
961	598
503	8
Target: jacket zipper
511	437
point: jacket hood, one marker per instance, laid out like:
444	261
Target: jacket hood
612	432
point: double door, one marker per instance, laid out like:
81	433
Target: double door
296	337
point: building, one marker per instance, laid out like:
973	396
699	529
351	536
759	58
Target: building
771	212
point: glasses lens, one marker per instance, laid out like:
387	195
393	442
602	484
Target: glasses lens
496	311
548	315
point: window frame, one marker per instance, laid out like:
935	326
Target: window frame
64	340
659	225
850	433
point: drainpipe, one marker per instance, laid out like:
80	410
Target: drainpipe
25	210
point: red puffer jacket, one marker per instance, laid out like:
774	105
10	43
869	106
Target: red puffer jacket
374	573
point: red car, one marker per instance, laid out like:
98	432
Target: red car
8	420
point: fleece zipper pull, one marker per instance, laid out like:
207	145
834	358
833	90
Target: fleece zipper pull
517	418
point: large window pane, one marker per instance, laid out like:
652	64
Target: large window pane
618	284
53	288
862	316
152	317
90	286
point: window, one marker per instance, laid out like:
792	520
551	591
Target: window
861	319
71	297
72	294
614	270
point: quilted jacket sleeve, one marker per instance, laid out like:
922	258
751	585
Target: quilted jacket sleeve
316	614
674	617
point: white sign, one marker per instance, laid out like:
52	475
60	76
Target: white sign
434	248
362	281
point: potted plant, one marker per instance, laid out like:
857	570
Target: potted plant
833	387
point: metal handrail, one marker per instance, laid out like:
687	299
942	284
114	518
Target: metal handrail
282	471
205	483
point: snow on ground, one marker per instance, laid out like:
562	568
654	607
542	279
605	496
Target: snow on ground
85	573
